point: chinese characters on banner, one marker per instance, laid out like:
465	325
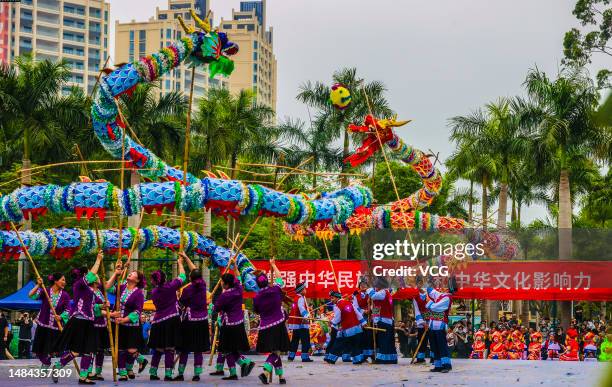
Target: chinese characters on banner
542	280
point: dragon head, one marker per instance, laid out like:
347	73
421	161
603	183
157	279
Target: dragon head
210	46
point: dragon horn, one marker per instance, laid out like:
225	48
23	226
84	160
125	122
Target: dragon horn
188	29
204	25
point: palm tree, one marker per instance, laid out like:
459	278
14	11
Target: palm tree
314	142
211	138
367	97
470	162
34	111
560	114
246	121
498	133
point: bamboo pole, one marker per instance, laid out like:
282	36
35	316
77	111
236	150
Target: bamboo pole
416	351
103	275
186	153
38	277
107	308
331	264
119	259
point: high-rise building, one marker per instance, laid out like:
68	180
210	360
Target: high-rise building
136	39
255	62
75	30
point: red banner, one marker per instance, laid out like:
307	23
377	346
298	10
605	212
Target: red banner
532	280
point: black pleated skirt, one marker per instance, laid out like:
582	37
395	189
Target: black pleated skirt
166	334
79	336
130	337
274	338
103	339
194	336
45	341
233	338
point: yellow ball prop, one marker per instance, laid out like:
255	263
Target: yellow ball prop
340	96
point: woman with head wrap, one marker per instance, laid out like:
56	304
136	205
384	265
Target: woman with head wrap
79	335
166	323
194	325
272	337
131	301
47	330
232	334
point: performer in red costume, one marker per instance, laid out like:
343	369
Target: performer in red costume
571	346
479	347
535	345
498	348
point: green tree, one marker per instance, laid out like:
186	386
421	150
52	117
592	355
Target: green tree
498	134
578	48
314	142
560	115
34	110
367	97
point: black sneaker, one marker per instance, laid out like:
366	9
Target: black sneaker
86	381
263	378
217	373
131	375
96	377
436	369
142	366
245	369
168	379
282	381
231	377
179	378
196	378
309	360
417	361
123	378
445	370
153	377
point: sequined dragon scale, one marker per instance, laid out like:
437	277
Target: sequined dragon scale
64	243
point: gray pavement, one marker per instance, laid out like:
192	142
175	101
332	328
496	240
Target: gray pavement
465	373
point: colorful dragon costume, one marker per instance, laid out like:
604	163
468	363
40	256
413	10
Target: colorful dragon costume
64	243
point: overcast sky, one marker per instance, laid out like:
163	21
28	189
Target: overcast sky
438	58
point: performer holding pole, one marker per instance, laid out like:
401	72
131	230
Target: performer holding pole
194	327
101	324
382	316
299	324
48	328
272	337
232	334
80	336
438	305
166	324
348	322
361	302
421	315
131	301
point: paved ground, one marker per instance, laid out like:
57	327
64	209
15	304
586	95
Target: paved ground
465	373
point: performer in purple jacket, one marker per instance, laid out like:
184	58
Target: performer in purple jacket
100	324
79	335
194	326
166	324
131	301
272	337
232	334
47	330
